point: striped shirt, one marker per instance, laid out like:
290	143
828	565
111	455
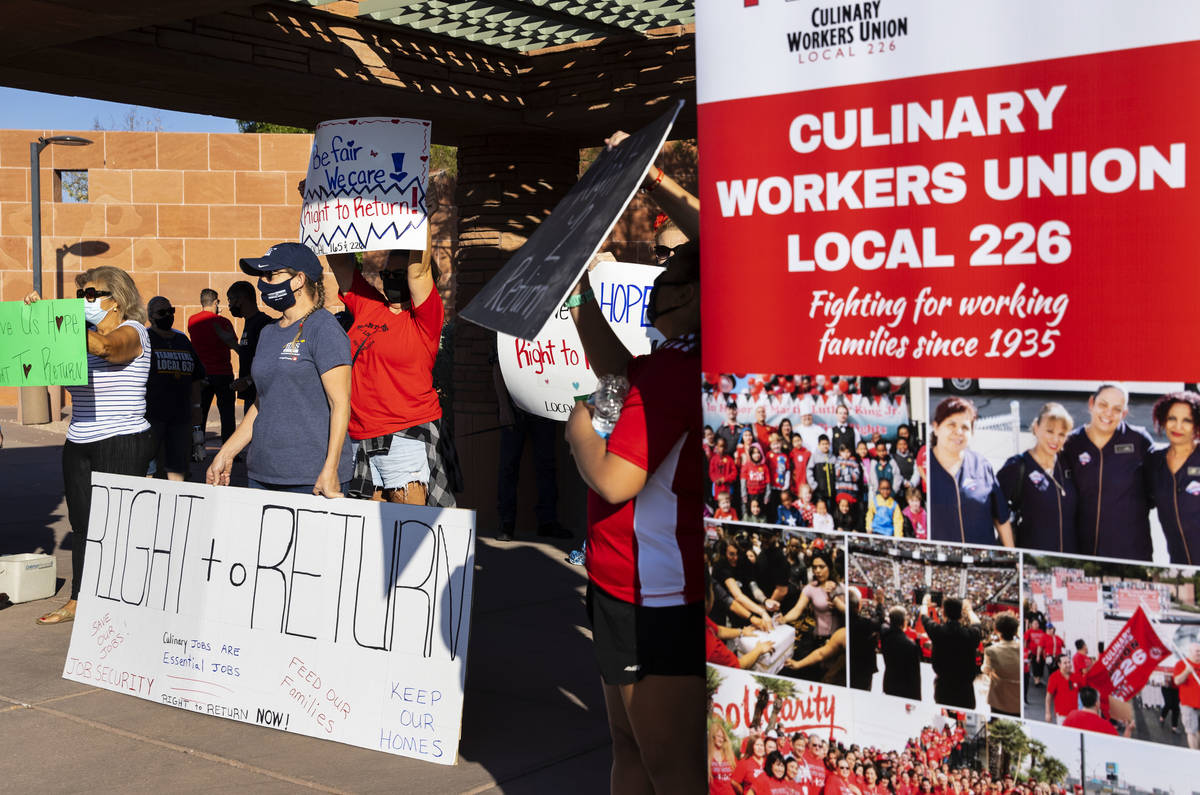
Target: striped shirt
113	402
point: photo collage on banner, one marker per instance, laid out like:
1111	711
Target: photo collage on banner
1012	510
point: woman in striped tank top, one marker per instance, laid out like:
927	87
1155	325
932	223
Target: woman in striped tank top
108	431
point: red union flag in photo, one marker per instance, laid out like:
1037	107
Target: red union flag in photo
1128	660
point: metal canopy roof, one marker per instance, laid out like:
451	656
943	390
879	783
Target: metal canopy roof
524	25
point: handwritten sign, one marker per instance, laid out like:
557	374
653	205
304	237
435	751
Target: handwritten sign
365	189
340	619
534	282
545	374
811	707
43	343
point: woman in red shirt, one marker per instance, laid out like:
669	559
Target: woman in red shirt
750	769
720	761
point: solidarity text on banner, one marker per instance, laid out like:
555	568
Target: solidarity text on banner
917	200
43	343
545	375
1128	660
339	619
533	283
366	183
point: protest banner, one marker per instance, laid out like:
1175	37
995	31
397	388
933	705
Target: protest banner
1054	610
1128	659
43	343
808	707
545	375
923	204
366	183
877	414
1083	592
339	619
535	280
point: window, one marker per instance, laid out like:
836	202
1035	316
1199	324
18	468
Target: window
70	187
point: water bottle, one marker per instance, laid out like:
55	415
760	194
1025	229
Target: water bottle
608	399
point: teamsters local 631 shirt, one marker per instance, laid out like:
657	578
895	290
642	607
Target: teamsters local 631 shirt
648	550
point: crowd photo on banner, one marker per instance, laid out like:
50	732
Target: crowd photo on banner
830	453
777	601
938	623
1114	648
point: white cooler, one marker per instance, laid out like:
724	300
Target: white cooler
27	577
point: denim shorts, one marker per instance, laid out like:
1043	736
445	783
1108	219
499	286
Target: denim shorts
405	462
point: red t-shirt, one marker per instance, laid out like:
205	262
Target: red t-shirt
836	785
214	354
1089	721
769	786
391	383
722	775
1034	639
816	769
763	434
800	457
780	467
756	476
1079	662
1053	644
650	550
747	772
1189	691
1065	693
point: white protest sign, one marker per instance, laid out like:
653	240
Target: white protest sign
365	189
544	375
341	619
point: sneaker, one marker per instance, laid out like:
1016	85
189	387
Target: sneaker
554	530
506	531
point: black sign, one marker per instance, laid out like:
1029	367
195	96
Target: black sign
533	283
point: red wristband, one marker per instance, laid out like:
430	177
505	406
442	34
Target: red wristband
657	180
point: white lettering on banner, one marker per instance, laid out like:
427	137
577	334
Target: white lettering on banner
253	605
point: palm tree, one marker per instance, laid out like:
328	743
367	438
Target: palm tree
780	689
1007	737
1053	770
712	681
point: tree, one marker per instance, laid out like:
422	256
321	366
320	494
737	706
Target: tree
1053	770
1007	744
135	119
268	127
780	690
712	681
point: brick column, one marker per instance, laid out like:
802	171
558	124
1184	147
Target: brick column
506	186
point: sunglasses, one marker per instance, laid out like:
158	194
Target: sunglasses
92	293
662	252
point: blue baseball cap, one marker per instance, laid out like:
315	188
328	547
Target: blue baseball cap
296	256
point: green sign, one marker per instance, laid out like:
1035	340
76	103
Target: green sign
43	343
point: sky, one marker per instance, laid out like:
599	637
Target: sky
1145	764
33	110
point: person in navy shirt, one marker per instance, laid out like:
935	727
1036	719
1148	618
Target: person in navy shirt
965	500
1174	475
1040	488
1106	458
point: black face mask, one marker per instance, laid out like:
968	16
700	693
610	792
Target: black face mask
277	296
653	313
395	286
235	310
166	321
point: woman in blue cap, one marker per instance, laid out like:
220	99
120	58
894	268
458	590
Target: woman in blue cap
302	373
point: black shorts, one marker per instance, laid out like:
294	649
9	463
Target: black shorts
172	446
633	641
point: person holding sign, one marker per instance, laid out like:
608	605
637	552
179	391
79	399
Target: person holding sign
1186	676
302	373
645	538
108	430
1105	457
1039	488
966	503
1174	474
395	415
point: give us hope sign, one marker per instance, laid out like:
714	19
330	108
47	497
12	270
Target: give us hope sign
545	375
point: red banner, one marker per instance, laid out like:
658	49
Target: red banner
985	222
1036	587
1082	592
1129	660
1054	610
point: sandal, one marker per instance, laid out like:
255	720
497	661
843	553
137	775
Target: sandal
60	616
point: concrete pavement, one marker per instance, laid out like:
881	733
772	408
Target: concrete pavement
533	719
